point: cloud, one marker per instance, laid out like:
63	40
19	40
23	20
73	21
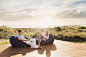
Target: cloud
62	9
77	11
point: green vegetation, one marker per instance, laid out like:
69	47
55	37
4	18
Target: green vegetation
74	33
4	41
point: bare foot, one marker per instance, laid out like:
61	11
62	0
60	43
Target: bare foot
40	47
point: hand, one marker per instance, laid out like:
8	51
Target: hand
29	39
40	34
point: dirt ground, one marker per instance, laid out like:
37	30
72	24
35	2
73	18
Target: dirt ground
58	49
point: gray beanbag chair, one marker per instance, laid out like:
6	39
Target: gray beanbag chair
17	43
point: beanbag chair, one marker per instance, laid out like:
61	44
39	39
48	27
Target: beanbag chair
17	43
46	42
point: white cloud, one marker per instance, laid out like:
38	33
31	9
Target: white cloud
18	9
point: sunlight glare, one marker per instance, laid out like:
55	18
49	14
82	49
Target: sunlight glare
45	21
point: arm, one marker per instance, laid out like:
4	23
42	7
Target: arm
28	39
25	38
22	40
44	37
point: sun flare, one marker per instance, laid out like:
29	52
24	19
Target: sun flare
45	21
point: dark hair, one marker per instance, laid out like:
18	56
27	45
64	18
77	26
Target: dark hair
19	30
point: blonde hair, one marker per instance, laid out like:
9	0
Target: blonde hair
47	33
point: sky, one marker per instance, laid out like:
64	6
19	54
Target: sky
42	12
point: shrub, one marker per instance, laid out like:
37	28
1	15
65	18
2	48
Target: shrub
68	33
57	28
82	27
36	34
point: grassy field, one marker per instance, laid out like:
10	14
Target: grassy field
4	41
74	33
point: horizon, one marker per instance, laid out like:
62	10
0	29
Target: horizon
39	26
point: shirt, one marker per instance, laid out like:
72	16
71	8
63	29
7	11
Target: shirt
45	36
20	36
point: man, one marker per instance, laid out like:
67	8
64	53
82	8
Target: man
31	42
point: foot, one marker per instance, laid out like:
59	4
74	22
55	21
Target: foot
40	47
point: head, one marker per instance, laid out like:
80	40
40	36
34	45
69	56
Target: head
46	32
20	32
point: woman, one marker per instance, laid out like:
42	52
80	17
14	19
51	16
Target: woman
44	36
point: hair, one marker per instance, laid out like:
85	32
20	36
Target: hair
19	30
47	32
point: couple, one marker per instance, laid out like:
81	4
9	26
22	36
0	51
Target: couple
32	42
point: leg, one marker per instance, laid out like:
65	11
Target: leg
33	41
40	39
39	42
31	44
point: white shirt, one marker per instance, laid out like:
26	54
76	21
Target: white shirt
45	36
